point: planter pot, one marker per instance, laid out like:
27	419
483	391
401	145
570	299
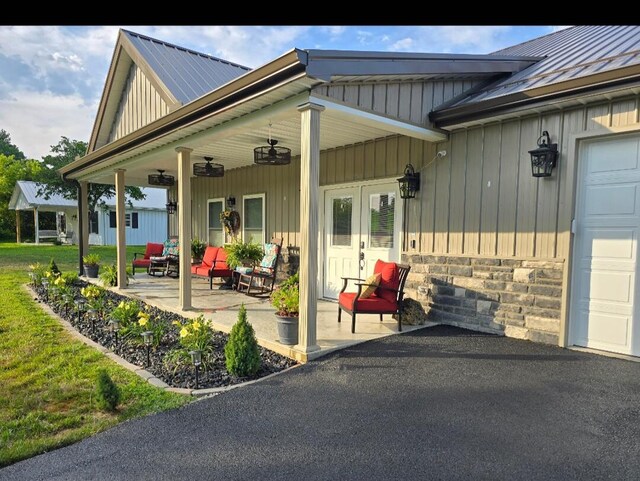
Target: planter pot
91	271
287	330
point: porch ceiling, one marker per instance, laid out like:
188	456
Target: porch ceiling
231	143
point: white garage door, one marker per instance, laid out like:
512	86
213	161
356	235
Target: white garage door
605	305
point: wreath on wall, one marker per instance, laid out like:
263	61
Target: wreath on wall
230	220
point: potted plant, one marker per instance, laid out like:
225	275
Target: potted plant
286	300
243	253
91	264
197	250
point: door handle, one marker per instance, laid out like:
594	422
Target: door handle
362	256
361	262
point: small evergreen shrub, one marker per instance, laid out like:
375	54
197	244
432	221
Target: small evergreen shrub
107	393
53	268
241	351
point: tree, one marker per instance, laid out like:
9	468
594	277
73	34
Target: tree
7	148
12	170
63	153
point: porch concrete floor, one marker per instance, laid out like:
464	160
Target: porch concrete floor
221	307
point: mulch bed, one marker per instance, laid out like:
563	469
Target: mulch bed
215	375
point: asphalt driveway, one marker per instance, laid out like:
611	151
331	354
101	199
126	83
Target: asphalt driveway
440	403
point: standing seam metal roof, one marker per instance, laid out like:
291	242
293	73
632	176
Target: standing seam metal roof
186	73
571	53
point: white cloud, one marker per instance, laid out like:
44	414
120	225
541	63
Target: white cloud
37	120
402	44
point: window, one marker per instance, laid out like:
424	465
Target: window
93	222
381	220
216	234
130	220
253	218
342	211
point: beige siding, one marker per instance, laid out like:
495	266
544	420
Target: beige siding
409	100
516	215
376	159
139	105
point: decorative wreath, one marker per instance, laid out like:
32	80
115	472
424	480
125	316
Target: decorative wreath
230	220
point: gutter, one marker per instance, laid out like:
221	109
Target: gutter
287	67
487	108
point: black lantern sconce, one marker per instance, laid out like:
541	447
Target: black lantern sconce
409	183
172	206
231	202
545	157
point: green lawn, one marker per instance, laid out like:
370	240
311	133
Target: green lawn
47	378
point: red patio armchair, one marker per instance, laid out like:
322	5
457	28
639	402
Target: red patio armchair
214	264
386	299
144	261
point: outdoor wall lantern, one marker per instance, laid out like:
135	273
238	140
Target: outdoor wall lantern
171	206
544	158
231	202
409	183
148	339
196	358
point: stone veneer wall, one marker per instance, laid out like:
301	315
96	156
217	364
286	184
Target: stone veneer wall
517	297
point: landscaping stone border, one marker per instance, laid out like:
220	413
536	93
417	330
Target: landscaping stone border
143	373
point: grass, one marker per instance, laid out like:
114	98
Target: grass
48	379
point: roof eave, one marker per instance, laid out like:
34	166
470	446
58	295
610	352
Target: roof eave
478	110
289	65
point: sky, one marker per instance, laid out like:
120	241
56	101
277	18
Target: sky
51	78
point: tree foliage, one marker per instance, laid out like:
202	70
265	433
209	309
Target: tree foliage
242	354
12	170
8	148
63	153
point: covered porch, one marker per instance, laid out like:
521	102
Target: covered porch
221	307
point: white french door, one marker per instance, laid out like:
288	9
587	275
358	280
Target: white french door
362	223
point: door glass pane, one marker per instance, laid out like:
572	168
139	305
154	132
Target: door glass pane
253	221
381	219
216	237
342	215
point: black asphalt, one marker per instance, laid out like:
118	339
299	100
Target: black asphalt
440	403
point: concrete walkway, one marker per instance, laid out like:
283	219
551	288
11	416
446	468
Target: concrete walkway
439	403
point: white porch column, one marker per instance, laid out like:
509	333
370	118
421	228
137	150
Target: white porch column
121	241
35	222
184	225
309	181
84	211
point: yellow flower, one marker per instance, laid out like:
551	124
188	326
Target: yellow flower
143	321
121	305
176	323
196	325
184	332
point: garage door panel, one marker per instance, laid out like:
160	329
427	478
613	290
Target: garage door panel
604	312
625	151
616	199
609	243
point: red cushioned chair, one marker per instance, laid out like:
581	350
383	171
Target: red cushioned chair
152	249
214	264
385	300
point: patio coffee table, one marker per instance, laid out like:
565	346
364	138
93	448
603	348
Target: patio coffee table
158	265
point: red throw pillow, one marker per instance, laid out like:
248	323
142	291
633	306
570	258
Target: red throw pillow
389	277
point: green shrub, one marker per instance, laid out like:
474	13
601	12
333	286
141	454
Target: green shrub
241	351
53	268
107	393
239	252
70	278
91	260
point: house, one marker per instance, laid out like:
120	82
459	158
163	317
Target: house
492	247
145	220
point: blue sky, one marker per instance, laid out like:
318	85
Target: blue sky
51	78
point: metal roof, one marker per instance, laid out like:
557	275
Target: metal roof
186	73
155	198
569	54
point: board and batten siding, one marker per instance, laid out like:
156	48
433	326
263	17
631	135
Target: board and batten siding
152	227
406	100
139	105
376	159
481	199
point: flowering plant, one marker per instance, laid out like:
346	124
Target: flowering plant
194	335
147	322
126	312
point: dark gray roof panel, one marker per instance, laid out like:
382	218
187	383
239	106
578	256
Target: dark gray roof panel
569	54
186	73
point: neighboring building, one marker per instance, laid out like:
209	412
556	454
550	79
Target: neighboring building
491	247
145	220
